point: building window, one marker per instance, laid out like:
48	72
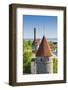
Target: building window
41	59
48	59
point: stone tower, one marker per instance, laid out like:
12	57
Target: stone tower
41	61
44	64
35	46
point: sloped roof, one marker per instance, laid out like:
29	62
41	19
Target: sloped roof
44	49
36	42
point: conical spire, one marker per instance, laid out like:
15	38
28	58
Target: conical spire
44	49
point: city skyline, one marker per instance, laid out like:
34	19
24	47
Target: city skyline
45	26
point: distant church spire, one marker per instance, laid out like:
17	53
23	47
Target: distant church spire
34	33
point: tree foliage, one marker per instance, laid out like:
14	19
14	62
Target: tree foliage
55	65
27	56
52	46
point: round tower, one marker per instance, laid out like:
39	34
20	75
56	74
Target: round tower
44	64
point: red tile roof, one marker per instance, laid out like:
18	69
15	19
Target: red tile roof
44	49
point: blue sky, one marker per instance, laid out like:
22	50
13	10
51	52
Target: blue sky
45	25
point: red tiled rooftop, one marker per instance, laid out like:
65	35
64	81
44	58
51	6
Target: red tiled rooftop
44	49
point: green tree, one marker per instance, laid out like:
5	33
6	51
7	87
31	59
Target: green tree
55	65
27	56
29	43
52	46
